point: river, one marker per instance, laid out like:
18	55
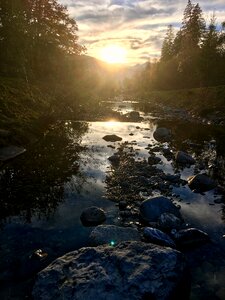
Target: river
44	191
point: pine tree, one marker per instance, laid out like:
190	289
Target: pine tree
168	45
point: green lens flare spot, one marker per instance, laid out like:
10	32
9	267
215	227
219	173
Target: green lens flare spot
112	243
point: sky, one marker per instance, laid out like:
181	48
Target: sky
138	26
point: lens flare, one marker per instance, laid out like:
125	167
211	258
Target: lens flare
113	54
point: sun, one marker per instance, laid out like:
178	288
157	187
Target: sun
113	54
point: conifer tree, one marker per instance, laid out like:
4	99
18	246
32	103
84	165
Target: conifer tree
168	45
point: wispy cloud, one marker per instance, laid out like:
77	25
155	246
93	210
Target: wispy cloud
137	25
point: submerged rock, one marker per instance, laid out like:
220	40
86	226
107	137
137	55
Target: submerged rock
129	271
112	235
152	208
10	152
92	216
134	116
168	221
158	237
190	237
162	134
112	138
201	183
184	158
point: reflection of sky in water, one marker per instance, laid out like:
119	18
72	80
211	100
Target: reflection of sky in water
64	230
89	188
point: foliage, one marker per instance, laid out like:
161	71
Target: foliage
194	57
35	37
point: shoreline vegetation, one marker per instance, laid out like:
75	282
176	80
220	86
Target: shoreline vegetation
27	110
45	74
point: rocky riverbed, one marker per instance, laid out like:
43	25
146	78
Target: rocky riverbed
155	183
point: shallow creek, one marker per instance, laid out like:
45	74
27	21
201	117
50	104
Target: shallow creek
44	191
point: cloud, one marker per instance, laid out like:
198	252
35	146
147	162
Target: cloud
137	25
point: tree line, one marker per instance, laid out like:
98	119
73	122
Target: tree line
39	44
36	37
193	57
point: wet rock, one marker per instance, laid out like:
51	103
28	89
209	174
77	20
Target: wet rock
162	134
152	208
122	205
153	160
156	148
129	271
158	237
190	237
111	234
10	152
168	221
114	159
201	183
39	255
166	152
134	116
92	216
171	178
184	158
112	138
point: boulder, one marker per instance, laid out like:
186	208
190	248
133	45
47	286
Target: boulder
129	271
168	221
190	237
162	134
152	208
112	138
112	235
92	216
158	237
184	158
10	152
201	183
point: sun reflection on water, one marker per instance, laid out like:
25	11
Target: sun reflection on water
112	123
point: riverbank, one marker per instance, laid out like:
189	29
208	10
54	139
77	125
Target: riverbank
205	105
25	111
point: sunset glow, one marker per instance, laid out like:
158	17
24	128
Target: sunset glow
113	54
136	25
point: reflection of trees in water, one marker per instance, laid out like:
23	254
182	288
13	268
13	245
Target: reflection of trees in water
33	183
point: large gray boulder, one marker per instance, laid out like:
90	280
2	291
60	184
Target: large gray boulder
201	183
184	158
112	235
162	134
151	209
129	271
